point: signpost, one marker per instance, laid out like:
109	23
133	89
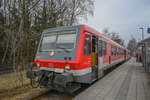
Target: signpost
148	30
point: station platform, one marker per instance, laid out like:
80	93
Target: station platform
127	82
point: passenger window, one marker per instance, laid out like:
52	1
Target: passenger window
104	48
100	48
112	50
87	45
115	50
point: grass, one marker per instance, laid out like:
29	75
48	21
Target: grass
28	91
11	87
12	81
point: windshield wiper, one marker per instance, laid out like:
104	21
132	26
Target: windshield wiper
65	49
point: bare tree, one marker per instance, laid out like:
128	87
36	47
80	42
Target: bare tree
115	36
105	31
24	20
132	46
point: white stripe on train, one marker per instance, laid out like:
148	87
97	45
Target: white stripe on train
82	71
75	72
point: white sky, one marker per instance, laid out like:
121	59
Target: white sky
123	16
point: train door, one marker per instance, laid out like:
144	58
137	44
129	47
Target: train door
125	54
95	57
100	57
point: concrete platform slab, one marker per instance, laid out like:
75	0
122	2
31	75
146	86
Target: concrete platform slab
127	82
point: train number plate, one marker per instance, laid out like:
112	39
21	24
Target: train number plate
50	65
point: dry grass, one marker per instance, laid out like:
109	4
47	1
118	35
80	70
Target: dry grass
12	81
11	87
27	92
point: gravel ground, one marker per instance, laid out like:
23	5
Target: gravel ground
54	95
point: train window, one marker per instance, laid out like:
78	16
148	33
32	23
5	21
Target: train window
87	45
112	50
119	51
100	48
124	52
148	49
104	48
58	41
115	50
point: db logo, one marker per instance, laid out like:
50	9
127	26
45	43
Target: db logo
52	53
50	65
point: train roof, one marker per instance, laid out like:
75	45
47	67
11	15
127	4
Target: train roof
102	35
62	28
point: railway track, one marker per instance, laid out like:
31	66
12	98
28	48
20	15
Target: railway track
36	94
53	95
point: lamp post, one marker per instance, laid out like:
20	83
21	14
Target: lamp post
142	32
142	54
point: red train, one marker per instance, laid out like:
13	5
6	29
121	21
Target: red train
70	56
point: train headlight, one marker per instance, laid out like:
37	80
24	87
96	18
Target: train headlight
67	67
38	64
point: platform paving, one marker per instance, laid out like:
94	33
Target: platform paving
127	82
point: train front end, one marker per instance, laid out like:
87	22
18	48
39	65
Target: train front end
56	58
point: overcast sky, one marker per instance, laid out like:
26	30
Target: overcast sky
123	16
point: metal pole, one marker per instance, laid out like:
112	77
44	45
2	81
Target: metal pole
142	54
142	32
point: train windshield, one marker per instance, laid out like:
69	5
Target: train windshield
58	41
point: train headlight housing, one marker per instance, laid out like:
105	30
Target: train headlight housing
67	67
38	64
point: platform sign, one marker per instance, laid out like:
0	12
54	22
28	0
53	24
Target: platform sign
148	30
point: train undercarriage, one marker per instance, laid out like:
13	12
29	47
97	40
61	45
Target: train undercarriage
62	82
